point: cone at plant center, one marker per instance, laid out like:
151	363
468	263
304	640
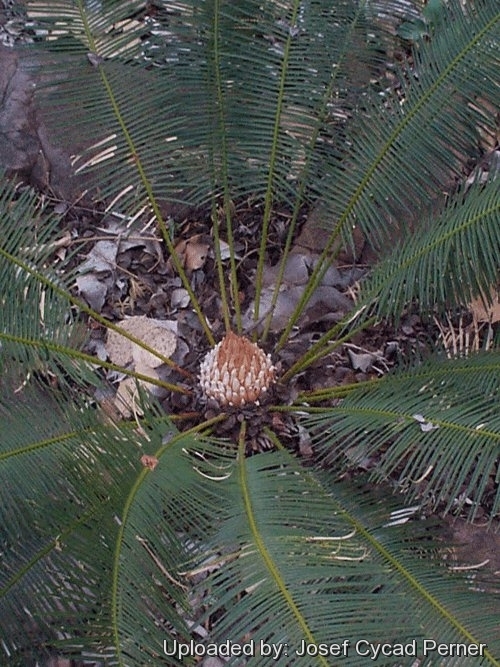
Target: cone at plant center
236	371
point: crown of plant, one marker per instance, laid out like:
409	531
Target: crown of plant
236	371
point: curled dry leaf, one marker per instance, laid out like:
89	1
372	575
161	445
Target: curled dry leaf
97	273
361	361
179	298
192	253
93	290
126	399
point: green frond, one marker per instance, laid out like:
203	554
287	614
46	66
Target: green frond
117	544
90	531
61	480
405	153
119	539
300	559
32	307
320	128
448	263
202	71
169	505
38	314
436	428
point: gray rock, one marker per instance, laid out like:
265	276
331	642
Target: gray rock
26	148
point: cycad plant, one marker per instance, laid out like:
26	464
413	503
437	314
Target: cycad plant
225	499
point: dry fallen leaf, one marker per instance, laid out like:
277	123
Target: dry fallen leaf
326	304
93	290
97	273
157	334
425	425
179	298
192	253
125	400
101	259
362	361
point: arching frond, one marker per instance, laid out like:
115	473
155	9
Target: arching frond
303	562
320	129
436	427
96	518
62	478
448	263
33	309
202	70
120	539
404	152
39	315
